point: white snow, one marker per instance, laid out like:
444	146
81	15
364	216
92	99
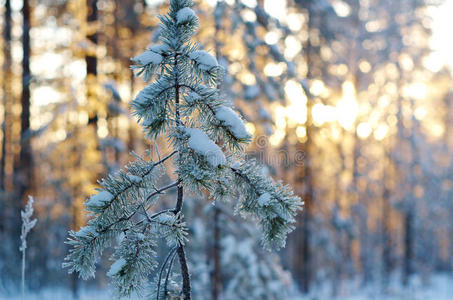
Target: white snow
439	287
159	49
141	98
185	15
231	119
100	199
264	199
148	57
116	267
202	144
86	230
134	178
204	59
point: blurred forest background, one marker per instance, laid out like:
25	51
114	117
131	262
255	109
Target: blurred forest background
350	102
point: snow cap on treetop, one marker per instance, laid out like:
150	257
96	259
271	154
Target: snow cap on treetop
185	15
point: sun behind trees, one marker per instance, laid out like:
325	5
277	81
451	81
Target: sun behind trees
206	138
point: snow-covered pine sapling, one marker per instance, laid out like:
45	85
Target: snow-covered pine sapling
182	103
27	225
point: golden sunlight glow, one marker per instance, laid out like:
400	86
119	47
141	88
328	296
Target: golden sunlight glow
271	37
420	112
247	78
44	95
347	107
301	132
295	21
437	129
293	115
323	113
274	69
280	117
364	66
277	9
296	111
364	130
441	37
317	87
417	90
336	133
341	8
293	46
433	62
250	127
381	132
277	137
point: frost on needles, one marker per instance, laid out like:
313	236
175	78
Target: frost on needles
206	137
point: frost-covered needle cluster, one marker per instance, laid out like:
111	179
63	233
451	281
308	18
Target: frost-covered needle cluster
206	137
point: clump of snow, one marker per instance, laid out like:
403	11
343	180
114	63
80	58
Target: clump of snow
264	199
202	144
100	199
135	179
159	49
116	267
232	121
141	98
185	15
148	57
204	59
192	97
85	231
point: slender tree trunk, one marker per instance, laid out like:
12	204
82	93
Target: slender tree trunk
216	273
216	281
408	246
386	240
24	170
305	276
91	65
6	90
410	209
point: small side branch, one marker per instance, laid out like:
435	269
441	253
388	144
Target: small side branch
161	190
184	271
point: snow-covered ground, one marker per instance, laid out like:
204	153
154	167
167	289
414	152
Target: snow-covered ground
440	288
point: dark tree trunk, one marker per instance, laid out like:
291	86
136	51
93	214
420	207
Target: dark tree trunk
408	246
91	65
304	279
24	169
386	239
216	276
6	90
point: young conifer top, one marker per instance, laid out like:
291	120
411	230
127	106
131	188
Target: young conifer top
206	139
